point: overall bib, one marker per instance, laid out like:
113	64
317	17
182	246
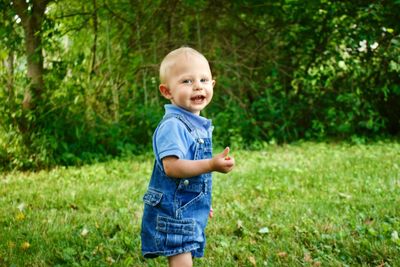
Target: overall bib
176	210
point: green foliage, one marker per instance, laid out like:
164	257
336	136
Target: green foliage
285	71
304	204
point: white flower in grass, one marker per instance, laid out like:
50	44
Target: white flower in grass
21	207
84	232
395	235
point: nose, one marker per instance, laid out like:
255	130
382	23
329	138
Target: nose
197	85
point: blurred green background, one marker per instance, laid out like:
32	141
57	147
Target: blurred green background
79	79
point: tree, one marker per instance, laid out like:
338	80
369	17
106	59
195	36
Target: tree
285	70
31	14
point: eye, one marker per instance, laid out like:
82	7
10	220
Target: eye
187	81
204	80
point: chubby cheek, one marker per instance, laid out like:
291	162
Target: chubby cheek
210	94
183	94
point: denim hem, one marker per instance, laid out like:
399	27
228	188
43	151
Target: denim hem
168	253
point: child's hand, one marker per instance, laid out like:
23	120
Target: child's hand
211	213
222	162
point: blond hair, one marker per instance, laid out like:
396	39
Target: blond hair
169	60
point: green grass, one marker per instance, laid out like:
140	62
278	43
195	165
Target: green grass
310	204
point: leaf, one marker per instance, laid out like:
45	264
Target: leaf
73	206
343	195
224	244
252	260
25	246
240	229
282	254
307	257
264	230
110	260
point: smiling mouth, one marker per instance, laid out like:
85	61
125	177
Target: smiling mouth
198	98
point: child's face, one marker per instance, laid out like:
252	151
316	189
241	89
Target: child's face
189	83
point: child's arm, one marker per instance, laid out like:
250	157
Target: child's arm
181	168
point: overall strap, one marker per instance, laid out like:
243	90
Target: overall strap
189	126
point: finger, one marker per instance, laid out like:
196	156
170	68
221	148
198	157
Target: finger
225	152
230	163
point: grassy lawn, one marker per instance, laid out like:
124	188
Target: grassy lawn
310	204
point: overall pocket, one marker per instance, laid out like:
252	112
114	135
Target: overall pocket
177	231
152	197
189	192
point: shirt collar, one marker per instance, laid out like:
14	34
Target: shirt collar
197	120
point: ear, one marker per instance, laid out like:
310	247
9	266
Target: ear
213	83
164	90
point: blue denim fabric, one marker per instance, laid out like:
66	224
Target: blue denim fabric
176	210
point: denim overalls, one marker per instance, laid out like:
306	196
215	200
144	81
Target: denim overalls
176	210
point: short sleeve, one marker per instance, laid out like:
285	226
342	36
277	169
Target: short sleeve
172	139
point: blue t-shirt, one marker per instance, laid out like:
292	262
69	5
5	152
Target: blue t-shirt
172	138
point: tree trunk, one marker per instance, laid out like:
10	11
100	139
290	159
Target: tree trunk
31	15
94	46
9	64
